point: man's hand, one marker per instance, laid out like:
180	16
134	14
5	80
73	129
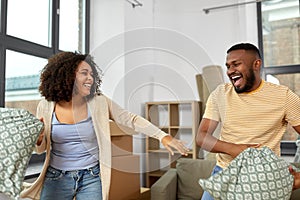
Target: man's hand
168	141
296	175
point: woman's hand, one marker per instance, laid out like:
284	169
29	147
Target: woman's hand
169	142
41	136
296	175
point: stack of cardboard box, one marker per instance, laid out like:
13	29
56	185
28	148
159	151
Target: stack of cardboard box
125	180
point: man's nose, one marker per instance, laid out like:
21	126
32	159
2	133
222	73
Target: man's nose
230	69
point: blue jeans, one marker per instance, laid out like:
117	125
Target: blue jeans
65	185
206	195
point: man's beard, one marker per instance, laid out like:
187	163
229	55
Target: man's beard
250	79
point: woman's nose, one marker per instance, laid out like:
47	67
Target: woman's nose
90	77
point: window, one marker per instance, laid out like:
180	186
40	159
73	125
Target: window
22	74
27	22
31	32
22	80
281	25
279	38
71	25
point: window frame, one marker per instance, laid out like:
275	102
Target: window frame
273	70
288	148
8	42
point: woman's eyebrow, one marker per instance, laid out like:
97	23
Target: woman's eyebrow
84	69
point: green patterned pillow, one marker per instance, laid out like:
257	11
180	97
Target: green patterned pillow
255	174
19	130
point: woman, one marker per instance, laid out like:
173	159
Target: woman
76	137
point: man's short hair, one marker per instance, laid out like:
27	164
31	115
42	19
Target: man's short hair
245	46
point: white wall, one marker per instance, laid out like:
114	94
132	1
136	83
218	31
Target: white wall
107	44
153	52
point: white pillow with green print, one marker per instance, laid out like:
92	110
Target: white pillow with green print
19	130
253	175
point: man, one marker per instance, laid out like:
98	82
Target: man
252	112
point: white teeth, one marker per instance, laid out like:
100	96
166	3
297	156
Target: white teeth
87	85
235	77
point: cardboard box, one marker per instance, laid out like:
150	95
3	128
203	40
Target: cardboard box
121	142
125	179
118	130
121	145
145	194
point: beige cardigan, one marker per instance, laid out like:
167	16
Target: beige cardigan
102	110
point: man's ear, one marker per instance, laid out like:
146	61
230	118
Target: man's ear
257	64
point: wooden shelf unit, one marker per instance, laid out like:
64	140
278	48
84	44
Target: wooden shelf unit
177	118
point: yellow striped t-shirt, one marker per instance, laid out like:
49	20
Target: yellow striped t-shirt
260	116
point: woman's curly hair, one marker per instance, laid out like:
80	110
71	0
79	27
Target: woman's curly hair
58	76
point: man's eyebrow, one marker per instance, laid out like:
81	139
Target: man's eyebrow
232	62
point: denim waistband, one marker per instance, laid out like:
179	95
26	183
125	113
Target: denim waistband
76	171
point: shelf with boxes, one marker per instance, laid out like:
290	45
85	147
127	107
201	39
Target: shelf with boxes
177	118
